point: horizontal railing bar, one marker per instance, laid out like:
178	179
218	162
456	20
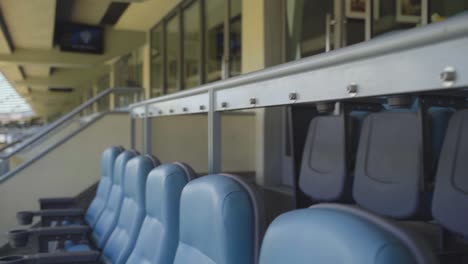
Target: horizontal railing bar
450	29
68	116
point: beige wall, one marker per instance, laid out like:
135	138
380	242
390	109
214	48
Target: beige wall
185	138
65	171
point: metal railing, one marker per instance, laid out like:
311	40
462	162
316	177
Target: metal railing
423	59
5	170
11	144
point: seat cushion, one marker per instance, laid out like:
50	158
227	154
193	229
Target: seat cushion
71	247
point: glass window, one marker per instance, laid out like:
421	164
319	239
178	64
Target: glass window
235	38
192	45
214	43
396	15
307	27
173	54
156	61
441	9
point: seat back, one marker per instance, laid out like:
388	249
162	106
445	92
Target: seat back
159	233
105	184
217	222
120	243
450	203
325	169
333	233
108	218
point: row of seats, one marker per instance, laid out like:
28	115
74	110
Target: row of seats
134	217
390	177
361	221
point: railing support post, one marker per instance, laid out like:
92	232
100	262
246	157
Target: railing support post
132	132
147	144
214	135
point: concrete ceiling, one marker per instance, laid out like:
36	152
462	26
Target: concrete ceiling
32	64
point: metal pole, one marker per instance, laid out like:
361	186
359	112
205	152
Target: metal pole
132	132
147	144
214	136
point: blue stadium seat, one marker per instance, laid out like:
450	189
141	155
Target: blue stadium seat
108	219
123	238
105	185
326	170
333	233
390	174
219	222
450	203
96	207
159	233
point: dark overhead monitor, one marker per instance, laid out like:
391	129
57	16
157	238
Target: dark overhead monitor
82	38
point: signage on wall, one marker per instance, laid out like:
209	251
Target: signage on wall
82	38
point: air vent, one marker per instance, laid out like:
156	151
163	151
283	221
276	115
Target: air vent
60	90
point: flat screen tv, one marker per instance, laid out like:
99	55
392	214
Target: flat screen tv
82	38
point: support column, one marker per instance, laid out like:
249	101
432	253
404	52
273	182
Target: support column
146	50
214	137
95	92
113	82
147	133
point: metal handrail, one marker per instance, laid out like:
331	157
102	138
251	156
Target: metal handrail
69	116
10	144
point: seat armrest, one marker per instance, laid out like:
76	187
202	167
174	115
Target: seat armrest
60	230
67	257
26	217
57	203
20	237
56	257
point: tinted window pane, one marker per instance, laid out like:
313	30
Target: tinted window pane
236	38
156	62
192	45
172	48
214	16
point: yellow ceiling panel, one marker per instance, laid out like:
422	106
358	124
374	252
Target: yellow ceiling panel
144	15
89	11
30	22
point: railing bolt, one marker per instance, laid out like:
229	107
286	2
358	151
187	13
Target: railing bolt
253	100
224	104
448	76
185	109
160	112
352	89
202	107
293	96
171	111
